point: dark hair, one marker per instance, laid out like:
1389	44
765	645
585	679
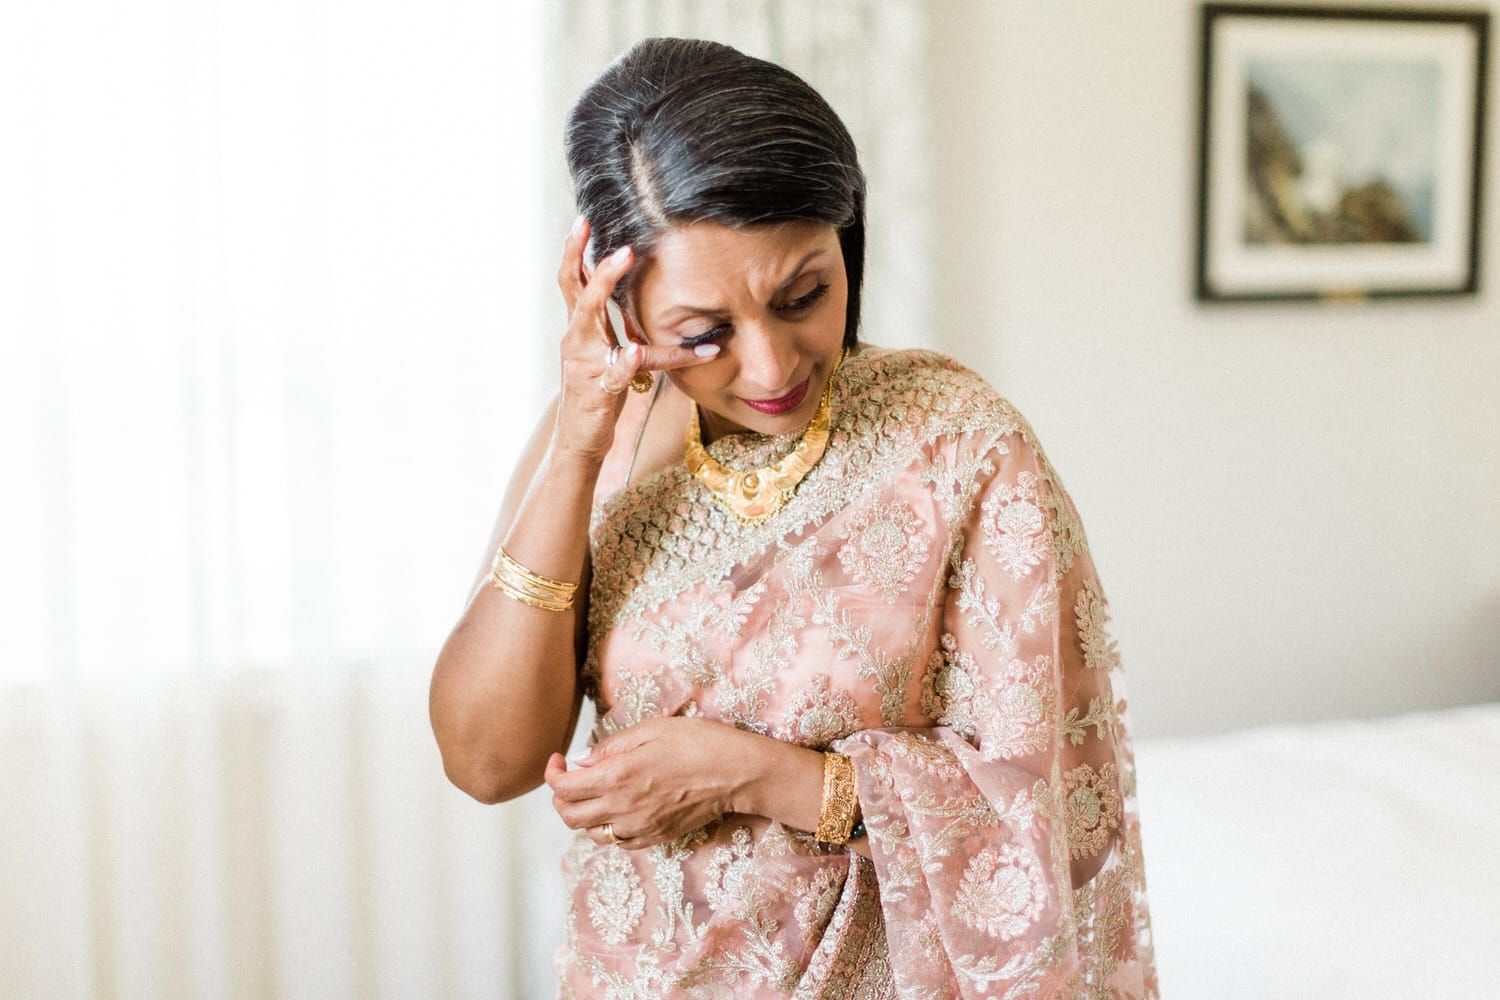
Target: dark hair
677	131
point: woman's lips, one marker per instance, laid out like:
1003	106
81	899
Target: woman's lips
790	401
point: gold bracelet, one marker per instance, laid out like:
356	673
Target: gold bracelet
836	818
519	583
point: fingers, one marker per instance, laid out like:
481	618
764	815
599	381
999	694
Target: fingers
580	288
570	276
599	817
601	835
663	358
581	815
577	785
666	357
635	357
582	799
592	302
619	367
588	296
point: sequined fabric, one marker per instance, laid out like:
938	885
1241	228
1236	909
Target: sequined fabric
927	605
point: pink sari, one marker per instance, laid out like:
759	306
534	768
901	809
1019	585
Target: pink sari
927	605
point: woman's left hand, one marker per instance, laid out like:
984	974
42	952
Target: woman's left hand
655	781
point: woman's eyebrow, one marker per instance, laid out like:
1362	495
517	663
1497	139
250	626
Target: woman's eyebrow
672	312
797	271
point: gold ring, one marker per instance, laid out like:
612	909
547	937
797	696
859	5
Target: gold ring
609	831
641	382
608	388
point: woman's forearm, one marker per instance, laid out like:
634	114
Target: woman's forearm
505	688
784	782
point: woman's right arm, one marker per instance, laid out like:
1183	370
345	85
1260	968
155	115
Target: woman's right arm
505	687
505	691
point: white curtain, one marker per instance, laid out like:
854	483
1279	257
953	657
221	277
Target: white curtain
271	305
276	315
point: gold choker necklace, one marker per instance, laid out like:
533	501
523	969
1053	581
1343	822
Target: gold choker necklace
756	494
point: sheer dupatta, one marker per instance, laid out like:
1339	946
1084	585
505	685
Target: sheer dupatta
1005	837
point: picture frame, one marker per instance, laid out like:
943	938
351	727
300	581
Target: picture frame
1341	152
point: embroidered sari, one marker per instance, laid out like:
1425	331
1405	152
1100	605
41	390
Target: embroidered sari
926	604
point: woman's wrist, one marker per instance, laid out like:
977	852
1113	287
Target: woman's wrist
563	466
549	533
784	782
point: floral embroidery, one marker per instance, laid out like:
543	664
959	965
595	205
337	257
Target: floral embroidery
1001	892
616	899
1025	713
816	897
1102	716
1011	716
1014	527
675	912
885	548
1092	806
1068	539
724	879
930	756
953	694
687	643
1092	612
637	696
891	674
979	609
648	982
817	715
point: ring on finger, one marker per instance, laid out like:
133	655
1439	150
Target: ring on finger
614	838
613	391
612	356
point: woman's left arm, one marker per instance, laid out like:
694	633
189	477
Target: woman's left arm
665	777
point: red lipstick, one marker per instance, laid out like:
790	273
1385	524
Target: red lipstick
785	404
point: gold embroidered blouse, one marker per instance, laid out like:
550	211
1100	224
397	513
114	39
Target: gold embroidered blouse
926	604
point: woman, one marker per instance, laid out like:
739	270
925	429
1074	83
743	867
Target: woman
860	731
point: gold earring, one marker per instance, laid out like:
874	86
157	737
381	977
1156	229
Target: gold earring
641	382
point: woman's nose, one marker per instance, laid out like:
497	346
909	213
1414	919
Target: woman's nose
768	360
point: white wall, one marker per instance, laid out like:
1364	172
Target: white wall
1295	508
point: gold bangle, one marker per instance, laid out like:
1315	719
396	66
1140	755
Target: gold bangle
533	589
836	818
515	593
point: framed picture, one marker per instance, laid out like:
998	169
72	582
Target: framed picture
1341	151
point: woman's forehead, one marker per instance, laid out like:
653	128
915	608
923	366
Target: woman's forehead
710	256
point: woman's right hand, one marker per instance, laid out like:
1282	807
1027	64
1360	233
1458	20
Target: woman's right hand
593	391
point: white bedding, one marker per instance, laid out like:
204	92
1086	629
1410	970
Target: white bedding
1328	860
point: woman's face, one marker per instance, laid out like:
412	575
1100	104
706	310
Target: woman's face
771	297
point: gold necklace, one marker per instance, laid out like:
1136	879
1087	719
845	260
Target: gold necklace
756	494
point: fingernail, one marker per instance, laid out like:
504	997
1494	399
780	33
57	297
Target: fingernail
633	350
581	760
577	226
620	256
706	350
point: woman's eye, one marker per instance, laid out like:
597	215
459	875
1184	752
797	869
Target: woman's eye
707	336
806	301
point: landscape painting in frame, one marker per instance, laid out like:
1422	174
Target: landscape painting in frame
1341	152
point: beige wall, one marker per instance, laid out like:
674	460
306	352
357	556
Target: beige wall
1295	508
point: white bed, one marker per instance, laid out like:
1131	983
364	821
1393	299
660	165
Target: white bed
1347	859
